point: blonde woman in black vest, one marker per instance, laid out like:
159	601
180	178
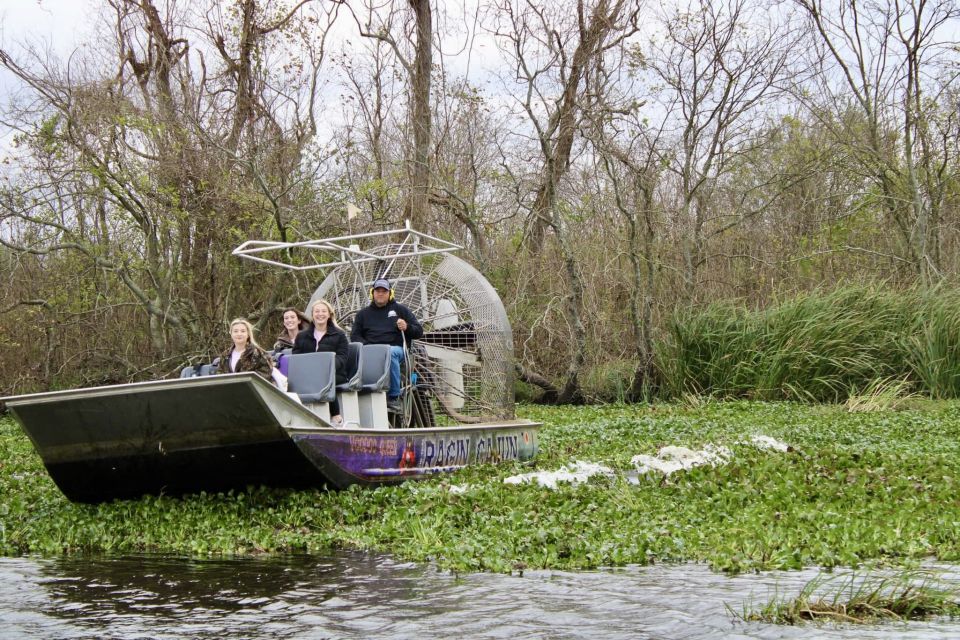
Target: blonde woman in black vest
325	335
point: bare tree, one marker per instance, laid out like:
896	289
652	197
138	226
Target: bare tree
630	152
380	25
163	159
552	59
883	75
370	144
712	73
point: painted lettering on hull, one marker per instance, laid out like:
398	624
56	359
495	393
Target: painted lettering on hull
369	445
445	452
456	451
495	448
408	453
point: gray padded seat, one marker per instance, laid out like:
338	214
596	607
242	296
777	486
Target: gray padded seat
208	369
353	368
312	376
374	367
187	372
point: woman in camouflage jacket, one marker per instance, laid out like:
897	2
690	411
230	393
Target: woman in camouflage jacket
245	354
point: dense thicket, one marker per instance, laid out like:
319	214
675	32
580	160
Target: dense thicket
632	178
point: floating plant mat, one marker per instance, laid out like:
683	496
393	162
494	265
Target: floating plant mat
855	488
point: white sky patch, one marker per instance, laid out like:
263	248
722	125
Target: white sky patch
575	474
57	26
54	27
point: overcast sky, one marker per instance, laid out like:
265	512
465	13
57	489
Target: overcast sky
64	26
59	25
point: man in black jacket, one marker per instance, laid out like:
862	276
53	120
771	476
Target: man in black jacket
386	321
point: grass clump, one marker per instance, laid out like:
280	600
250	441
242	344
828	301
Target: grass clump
907	595
821	346
881	395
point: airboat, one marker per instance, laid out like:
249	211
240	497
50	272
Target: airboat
231	431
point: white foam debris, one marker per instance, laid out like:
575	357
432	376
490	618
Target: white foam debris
766	442
575	474
670	459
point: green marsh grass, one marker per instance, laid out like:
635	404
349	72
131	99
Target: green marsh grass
821	346
881	395
853	598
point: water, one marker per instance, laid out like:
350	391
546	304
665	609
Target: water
365	596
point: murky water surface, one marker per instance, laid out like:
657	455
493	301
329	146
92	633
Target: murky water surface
362	596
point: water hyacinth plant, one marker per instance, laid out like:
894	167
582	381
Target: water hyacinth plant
856	487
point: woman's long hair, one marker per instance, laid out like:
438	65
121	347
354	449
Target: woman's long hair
246	323
332	320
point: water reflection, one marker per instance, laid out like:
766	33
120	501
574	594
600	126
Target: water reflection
361	596
132	585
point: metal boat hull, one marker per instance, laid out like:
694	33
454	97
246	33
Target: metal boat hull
169	436
229	432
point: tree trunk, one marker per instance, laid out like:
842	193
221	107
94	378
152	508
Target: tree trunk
564	122
418	208
550	392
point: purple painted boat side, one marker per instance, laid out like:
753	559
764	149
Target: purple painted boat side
388	457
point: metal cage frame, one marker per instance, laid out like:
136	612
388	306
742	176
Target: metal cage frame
462	370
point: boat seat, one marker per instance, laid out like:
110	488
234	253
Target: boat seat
187	372
374	368
283	364
207	369
347	391
352	368
374	383
312	376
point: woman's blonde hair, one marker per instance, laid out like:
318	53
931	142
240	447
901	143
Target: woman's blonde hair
332	320
249	327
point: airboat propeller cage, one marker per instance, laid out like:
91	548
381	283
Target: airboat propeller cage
465	358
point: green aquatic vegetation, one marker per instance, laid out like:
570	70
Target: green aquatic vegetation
823	346
875	486
852	598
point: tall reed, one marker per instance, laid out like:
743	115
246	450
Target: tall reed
821	346
933	347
